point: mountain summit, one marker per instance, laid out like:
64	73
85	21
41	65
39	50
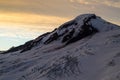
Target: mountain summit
82	26
85	48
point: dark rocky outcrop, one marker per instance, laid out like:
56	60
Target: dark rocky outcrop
68	36
86	31
53	37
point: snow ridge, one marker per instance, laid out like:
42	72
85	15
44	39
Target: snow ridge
82	26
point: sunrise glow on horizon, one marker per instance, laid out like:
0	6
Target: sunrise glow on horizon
23	20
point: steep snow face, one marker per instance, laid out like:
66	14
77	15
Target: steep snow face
95	57
69	32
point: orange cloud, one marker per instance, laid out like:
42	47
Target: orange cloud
25	18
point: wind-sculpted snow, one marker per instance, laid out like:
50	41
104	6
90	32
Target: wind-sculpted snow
91	52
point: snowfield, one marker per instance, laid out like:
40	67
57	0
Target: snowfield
91	57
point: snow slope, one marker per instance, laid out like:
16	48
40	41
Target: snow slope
95	56
69	32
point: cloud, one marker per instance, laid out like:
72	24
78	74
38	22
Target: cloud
113	3
44	7
25	18
17	32
60	8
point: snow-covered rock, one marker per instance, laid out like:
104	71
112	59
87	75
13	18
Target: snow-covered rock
85	48
69	32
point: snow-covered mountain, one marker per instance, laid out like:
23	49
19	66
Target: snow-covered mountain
85	48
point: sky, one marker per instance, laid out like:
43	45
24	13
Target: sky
23	20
